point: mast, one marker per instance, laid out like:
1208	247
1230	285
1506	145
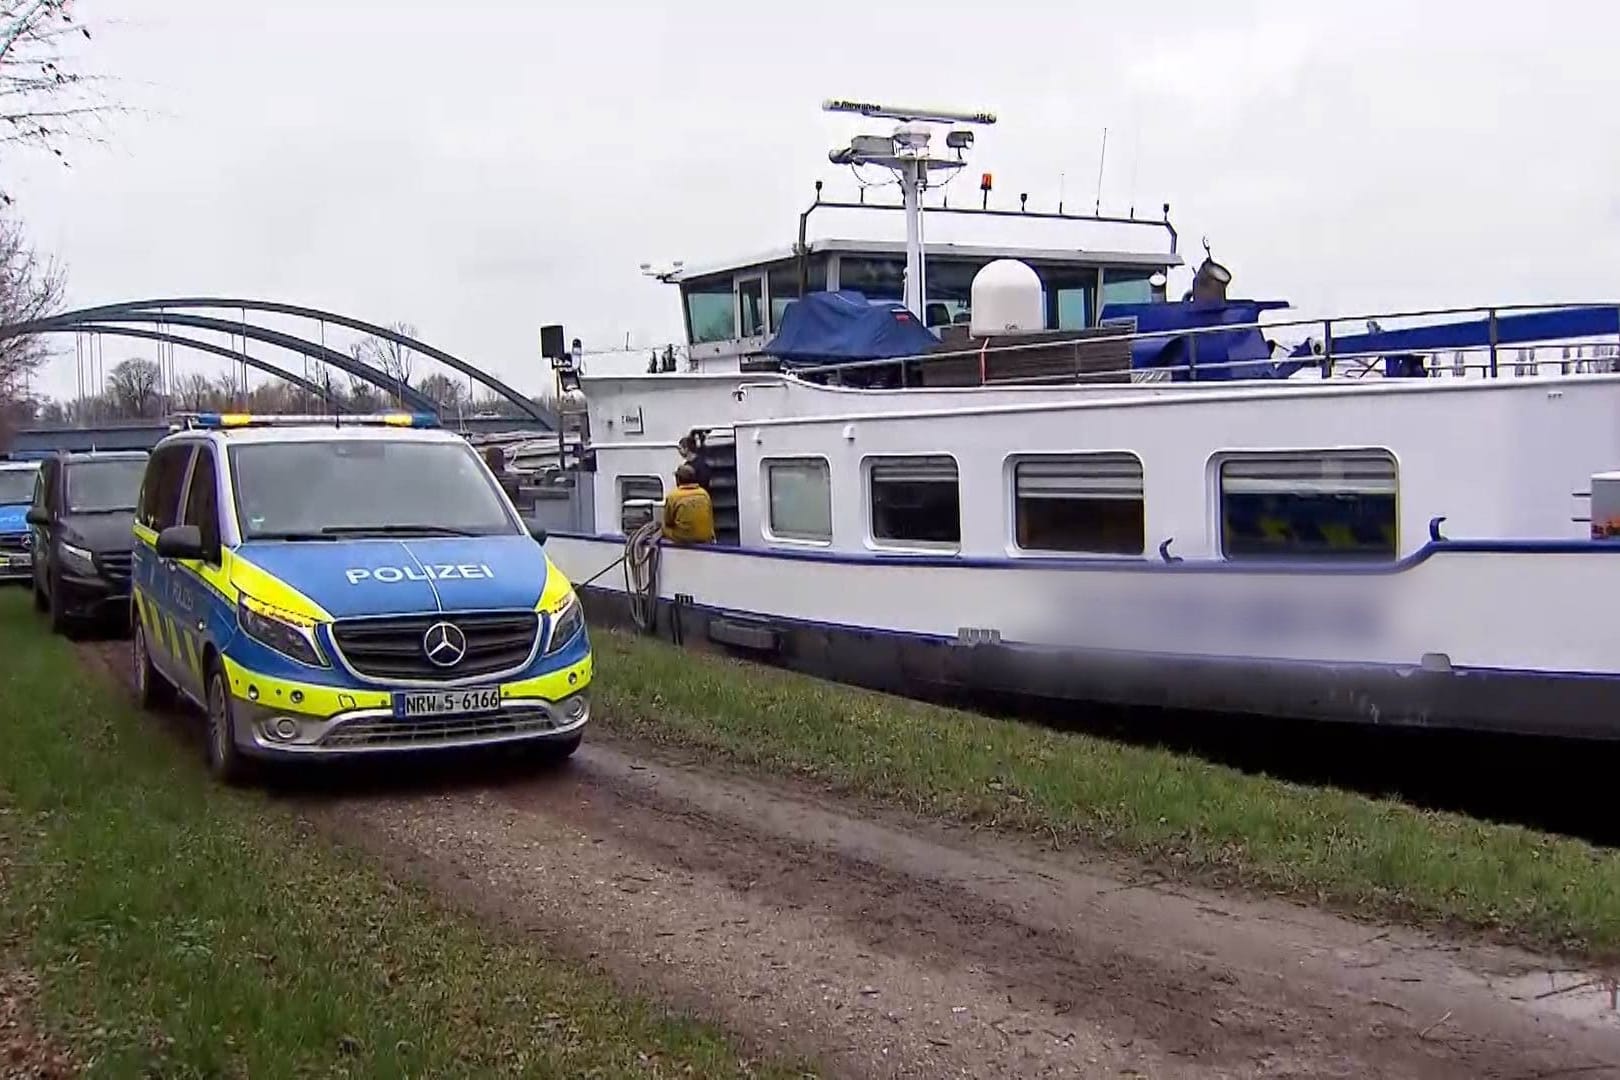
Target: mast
906	152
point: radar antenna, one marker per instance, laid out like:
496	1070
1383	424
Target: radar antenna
906	152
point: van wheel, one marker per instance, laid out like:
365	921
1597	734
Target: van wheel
152	690
56	604
41	605
225	761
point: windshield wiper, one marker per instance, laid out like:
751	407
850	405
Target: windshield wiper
397	530
291	536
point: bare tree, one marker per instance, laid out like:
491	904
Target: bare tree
194	392
44	103
133	386
389	357
31	287
444	391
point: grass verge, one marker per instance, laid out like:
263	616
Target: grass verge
181	930
1190	817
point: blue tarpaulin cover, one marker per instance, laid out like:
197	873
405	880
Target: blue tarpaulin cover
833	327
1229	348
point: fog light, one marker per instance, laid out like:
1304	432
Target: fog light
286	728
253	693
297	696
575	708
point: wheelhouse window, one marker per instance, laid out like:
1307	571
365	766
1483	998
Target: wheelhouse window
784	285
360	488
877	278
916	500
1089	503
1319	505
751	306
1126	286
634	493
1071	294
711	312
799	493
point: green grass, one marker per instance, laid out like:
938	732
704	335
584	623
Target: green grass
182	930
1183	815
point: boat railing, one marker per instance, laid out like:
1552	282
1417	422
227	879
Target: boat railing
1334	352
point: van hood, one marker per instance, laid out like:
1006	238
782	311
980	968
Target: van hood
101	532
352	578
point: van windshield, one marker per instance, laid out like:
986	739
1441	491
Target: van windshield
365	487
16	486
103	487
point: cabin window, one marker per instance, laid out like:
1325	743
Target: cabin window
1088	503
1331	504
949	284
799	493
710	310
784	286
875	278
1126	287
1071	292
638	490
751	306
916	500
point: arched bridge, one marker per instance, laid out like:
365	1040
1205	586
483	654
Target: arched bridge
161	319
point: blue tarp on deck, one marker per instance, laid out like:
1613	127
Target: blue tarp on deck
834	327
1230	348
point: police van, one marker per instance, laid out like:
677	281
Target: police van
327	587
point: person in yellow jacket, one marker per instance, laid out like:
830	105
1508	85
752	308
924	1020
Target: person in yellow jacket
688	513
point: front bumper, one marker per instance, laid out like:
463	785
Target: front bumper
16	566
327	722
92	596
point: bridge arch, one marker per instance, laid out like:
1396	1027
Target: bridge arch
76	321
118	313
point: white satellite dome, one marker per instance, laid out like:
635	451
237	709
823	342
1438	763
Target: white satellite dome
1007	299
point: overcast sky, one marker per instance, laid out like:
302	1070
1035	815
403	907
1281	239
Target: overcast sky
481	168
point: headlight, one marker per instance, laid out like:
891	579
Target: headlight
566	624
278	631
77	558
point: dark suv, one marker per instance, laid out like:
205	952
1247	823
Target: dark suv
83	516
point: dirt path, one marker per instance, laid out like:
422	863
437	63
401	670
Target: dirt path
881	946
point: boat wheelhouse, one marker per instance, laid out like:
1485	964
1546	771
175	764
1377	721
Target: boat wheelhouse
1171	505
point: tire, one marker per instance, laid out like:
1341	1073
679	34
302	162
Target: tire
227	763
152	690
57	606
41	604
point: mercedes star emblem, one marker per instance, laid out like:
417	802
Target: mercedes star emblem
444	644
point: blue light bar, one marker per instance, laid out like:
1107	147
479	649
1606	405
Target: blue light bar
215	421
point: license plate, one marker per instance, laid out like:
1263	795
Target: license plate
472	699
8	561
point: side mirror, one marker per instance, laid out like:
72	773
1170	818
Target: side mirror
180	542
538	532
38	515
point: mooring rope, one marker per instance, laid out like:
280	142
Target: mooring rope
641	552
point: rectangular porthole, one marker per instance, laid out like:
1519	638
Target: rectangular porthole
799	499
915	500
1080	503
1327	504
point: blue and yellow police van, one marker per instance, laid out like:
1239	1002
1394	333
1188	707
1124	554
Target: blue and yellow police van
330	587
